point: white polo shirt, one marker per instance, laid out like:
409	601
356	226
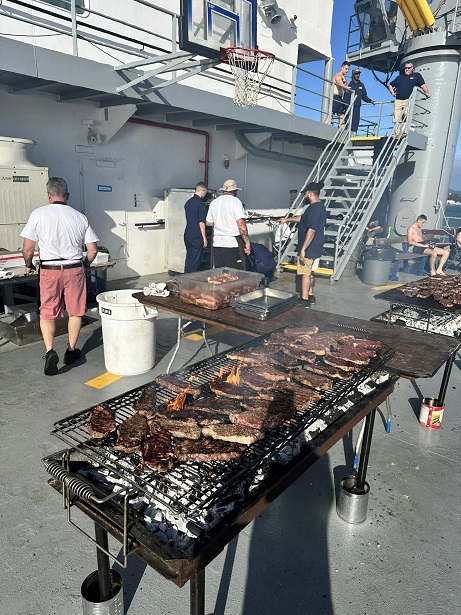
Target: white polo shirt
61	232
224	213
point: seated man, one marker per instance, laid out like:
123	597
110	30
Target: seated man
415	239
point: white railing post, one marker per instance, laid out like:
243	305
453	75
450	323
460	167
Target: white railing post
73	15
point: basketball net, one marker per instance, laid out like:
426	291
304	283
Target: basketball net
249	68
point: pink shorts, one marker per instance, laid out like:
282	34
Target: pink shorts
62	289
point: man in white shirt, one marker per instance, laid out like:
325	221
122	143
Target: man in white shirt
230	234
61	232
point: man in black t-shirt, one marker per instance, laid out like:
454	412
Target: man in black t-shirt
311	237
402	87
194	235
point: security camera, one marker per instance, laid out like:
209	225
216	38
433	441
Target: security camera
270	10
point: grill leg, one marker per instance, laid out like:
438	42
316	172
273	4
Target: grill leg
197	593
445	379
105	590
365	453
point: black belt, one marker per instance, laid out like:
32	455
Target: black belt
59	267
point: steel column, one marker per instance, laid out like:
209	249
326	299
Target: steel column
445	379
105	591
197	593
365	452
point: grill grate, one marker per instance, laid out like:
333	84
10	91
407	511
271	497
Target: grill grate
396	297
192	486
430	321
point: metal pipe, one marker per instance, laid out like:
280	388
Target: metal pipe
73	15
328	75
197	593
194	131
445	379
105	591
365	453
264	153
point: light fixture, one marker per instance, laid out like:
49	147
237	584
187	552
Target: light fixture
226	162
270	10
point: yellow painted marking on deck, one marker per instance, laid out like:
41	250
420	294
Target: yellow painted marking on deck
365	138
318	271
387	287
196	337
103	380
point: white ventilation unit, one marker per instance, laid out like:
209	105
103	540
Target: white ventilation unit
22	189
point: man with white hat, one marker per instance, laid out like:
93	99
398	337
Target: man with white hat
230	234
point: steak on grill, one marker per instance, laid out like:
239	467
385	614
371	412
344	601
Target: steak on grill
335	361
314	381
175	385
145	404
255	381
271	372
252	356
157	450
232	433
368	344
207	450
234	391
258	419
131	434
185	428
213	405
354	355
101	421
328	370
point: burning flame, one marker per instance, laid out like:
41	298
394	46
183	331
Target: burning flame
234	376
178	402
193	378
220	374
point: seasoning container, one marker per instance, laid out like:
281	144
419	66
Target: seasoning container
431	413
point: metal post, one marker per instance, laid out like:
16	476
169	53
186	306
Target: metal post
197	593
445	379
365	453
105	591
327	91
293	89
73	16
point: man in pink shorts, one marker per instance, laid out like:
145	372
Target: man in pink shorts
61	232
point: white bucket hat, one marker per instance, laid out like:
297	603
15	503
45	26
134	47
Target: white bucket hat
229	186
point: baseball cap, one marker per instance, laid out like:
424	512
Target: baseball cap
356	71
229	186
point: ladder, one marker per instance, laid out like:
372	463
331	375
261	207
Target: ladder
355	177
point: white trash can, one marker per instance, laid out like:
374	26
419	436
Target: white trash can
128	332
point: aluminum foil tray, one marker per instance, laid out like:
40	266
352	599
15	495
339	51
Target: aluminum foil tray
263	303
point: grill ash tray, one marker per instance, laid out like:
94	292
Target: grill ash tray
191	488
264	303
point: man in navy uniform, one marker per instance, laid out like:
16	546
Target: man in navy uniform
360	96
194	235
402	87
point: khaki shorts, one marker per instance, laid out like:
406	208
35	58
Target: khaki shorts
305	269
399	106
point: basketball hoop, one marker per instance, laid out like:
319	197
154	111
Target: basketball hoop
249	68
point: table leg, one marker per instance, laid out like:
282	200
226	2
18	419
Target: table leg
389	415
197	593
205	339
365	452
105	590
178	341
445	379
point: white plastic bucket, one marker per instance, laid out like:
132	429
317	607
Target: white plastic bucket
128	331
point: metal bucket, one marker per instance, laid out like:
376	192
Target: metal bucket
352	507
431	413
92	604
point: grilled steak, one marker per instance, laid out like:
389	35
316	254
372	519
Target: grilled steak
258	419
207	450
314	381
270	372
256	382
328	370
332	359
185	428
234	391
157	451
299	396
282	404
285	360
178	386
101	421
212	405
368	344
131	434
304	354
145	404
354	355
232	433
252	356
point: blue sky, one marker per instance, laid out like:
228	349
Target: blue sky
342	10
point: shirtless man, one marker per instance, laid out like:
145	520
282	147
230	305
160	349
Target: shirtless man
339	87
415	239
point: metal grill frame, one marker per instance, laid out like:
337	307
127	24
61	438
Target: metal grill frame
431	318
195	486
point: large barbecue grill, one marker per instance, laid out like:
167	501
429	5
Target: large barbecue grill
203	505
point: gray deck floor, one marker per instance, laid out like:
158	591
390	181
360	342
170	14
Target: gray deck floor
298	557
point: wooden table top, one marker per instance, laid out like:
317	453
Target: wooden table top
417	354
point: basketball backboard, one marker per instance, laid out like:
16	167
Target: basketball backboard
208	27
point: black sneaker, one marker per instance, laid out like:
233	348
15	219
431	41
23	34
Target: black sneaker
305	303
71	356
51	363
312	300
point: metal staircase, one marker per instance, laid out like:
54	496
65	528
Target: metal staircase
355	177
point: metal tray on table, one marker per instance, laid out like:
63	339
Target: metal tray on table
263	303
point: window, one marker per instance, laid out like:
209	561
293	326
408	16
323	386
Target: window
66	4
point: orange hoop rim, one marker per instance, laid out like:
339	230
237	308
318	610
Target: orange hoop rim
246	54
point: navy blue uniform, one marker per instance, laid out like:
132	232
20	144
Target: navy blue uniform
315	218
196	211
360	95
405	84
